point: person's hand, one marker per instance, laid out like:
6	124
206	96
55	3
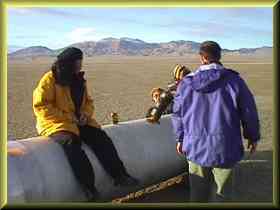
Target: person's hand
179	146
252	146
16	151
98	125
83	120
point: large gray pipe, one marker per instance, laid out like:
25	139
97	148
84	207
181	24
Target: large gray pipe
44	174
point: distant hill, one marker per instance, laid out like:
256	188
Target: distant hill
33	52
137	47
13	48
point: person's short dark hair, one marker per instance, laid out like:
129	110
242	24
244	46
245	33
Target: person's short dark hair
211	50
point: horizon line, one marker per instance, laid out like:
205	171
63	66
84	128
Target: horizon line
23	47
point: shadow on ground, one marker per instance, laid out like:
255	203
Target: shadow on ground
253	183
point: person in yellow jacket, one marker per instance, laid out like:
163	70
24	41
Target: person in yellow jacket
64	112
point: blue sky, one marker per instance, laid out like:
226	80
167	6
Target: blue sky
58	27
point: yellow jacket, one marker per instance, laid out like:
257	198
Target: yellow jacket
54	108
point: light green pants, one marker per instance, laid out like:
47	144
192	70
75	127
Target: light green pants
209	184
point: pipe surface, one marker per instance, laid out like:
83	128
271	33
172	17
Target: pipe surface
43	173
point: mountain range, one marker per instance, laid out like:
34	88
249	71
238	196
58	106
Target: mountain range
13	48
134	47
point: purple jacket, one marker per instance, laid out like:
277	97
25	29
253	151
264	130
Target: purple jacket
209	107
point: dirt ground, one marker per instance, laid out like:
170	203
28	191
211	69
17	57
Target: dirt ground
122	85
253	182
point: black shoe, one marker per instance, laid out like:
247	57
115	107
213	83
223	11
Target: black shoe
125	180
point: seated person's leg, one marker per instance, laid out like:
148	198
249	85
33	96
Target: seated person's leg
78	160
104	149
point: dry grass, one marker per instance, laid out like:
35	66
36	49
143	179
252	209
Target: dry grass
122	85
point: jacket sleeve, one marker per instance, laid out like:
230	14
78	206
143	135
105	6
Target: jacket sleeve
248	112
44	103
89	106
176	116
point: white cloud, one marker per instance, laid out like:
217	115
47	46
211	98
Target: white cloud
82	34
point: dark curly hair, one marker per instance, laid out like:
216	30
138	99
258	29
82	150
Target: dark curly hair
63	68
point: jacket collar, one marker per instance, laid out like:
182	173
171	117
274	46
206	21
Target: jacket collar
207	67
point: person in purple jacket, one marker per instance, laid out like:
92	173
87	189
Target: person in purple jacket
210	106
